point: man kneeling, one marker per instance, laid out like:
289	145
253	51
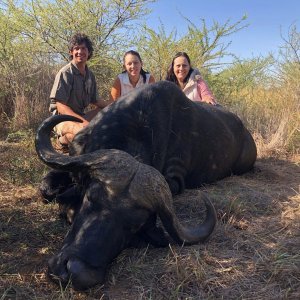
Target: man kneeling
74	89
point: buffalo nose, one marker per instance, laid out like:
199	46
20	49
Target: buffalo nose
63	269
84	276
57	270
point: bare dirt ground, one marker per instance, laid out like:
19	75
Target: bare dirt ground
254	252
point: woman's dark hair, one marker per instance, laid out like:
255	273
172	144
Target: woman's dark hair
170	73
132	52
78	39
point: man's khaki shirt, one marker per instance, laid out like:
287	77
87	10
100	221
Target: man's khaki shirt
73	89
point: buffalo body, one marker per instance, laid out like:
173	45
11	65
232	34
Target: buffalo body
112	180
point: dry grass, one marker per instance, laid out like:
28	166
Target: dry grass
253	253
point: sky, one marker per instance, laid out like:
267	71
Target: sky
266	19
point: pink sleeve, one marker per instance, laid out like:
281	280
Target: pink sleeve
204	91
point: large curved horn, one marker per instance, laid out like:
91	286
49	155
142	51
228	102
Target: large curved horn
106	159
45	150
156	195
187	235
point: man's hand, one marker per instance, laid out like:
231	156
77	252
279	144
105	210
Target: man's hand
101	103
64	109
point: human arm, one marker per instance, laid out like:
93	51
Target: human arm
205	93
101	103
151	79
64	109
115	92
95	108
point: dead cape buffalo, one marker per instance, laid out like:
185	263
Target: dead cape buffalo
116	196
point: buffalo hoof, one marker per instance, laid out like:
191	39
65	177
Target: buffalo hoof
76	272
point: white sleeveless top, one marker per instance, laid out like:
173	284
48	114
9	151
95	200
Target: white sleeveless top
126	86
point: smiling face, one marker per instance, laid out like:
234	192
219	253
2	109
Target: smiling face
133	66
181	68
80	54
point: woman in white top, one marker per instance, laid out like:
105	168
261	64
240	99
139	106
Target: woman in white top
132	77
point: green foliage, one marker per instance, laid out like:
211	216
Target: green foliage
157	50
18	136
241	78
207	45
34	37
204	45
22	163
23	171
104	21
50	24
290	50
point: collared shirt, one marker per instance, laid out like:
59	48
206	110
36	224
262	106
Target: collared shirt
73	89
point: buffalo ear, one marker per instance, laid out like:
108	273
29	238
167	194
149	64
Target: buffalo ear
71	196
69	203
152	234
156	237
53	183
